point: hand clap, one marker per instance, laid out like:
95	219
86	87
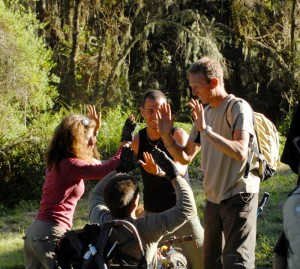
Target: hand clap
127	162
165	163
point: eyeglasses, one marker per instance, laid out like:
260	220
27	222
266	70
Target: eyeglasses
85	121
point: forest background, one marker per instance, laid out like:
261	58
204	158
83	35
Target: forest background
57	56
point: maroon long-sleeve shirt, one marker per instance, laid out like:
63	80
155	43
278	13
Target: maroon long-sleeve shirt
63	188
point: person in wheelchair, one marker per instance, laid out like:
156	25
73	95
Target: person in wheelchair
117	197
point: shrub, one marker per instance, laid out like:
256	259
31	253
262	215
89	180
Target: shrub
27	98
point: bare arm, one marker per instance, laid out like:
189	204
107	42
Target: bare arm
149	165
181	138
181	152
236	148
152	168
135	143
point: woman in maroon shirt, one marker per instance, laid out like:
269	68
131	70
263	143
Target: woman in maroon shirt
70	159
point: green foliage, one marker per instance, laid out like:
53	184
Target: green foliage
110	131
22	162
264	252
11	249
285	124
24	174
114	50
27	98
266	35
25	63
269	223
12	226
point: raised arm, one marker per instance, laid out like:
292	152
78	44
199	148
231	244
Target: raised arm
152	168
183	153
185	208
128	129
98	211
236	148
92	113
127	160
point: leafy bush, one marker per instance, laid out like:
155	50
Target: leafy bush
24	178
22	162
110	131
25	63
27	98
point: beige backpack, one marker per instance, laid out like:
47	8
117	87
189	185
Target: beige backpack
268	143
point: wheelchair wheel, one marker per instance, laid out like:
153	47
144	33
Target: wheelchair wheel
176	260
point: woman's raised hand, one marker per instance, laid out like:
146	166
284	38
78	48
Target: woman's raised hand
93	115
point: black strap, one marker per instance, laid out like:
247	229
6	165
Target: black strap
229	103
247	169
100	246
118	255
292	192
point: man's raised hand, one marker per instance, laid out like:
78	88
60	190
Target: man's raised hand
165	119
149	164
128	129
198	114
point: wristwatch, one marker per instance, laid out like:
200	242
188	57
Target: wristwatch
206	130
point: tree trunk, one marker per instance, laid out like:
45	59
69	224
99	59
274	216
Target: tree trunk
71	77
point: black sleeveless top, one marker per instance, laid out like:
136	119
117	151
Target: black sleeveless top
159	194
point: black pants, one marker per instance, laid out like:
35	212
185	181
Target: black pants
235	218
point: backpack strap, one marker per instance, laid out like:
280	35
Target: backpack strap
100	247
228	113
117	247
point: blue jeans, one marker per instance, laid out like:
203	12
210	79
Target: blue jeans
230	233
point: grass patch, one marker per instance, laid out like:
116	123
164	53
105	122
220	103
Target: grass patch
269	226
11	250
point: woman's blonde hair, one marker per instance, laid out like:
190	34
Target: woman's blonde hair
69	141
